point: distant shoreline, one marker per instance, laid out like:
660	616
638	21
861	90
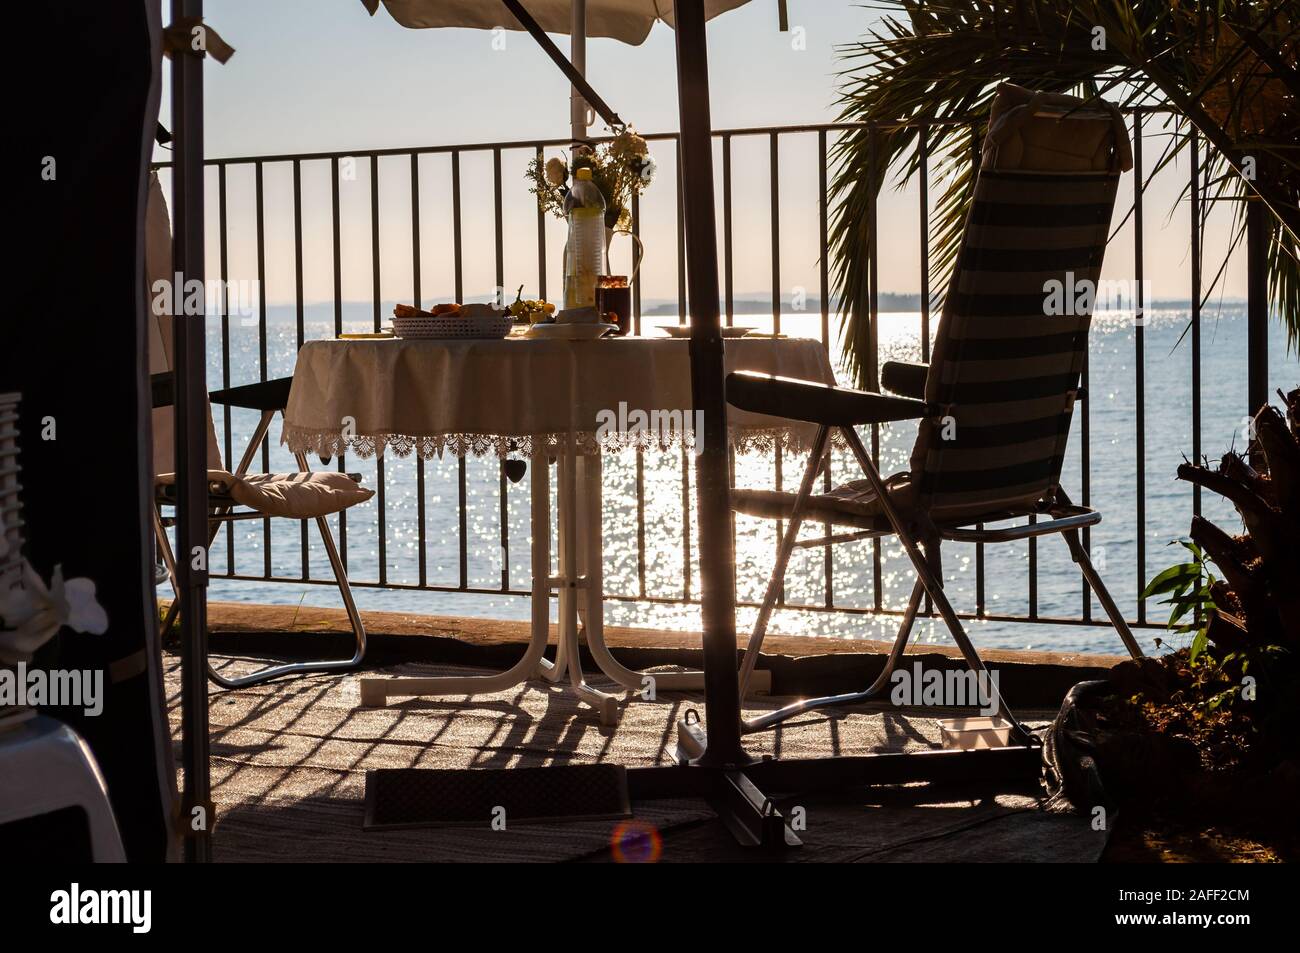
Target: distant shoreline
888	302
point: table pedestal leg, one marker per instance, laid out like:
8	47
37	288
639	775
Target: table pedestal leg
591	531
580	584
376	691
576	587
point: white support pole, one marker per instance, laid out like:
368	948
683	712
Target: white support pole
578	56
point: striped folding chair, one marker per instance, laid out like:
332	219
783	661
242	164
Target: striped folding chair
994	403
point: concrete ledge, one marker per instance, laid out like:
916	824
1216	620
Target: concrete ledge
799	665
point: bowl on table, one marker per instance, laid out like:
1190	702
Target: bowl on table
467	322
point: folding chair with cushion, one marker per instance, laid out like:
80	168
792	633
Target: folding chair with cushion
239	495
994	403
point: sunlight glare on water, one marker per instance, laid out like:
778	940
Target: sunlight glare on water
1112	407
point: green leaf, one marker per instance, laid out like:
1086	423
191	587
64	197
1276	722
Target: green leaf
1182	574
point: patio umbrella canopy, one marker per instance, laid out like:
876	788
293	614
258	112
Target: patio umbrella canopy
626	20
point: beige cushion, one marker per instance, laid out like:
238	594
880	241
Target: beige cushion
1052	132
291	495
299	495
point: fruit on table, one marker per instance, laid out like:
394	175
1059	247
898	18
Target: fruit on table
408	311
529	309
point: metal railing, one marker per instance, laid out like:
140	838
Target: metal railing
823	135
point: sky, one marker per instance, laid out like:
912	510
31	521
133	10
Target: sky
322	75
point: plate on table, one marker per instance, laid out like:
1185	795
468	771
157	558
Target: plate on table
572	331
684	330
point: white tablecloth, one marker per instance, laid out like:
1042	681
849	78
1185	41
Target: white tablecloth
524	396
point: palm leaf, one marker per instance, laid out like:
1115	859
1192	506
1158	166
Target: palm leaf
932	66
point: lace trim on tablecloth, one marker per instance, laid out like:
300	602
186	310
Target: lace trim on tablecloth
333	443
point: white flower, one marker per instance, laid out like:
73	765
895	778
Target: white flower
556	173
31	614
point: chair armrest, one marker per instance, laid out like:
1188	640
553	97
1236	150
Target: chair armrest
164	389
818	403
904	379
264	395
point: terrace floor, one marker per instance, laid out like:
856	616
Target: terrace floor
289	762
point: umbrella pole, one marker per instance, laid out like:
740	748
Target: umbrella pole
717	548
191	440
578	57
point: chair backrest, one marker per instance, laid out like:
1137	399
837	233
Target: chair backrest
158	267
1005	368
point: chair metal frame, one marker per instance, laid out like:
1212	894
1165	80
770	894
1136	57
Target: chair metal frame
915	529
255	396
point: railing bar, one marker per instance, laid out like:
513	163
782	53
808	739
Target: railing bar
873	339
686	523
381	508
1139	345
337	247
421	514
497	225
823	276
729	298
1033	571
640	522
1085	479
338	327
778	478
873	249
374	239
500	299
672	601
681	240
504	515
774	206
823	240
566	141
1196	311
421	522
636	284
923	171
415	230
261	340
455	226
304	551
463	521
222	250
980	608
541	243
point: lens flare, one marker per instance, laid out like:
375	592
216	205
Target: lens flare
634	842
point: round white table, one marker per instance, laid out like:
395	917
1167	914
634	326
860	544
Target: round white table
569	401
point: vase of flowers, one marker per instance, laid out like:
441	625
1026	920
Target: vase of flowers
620	167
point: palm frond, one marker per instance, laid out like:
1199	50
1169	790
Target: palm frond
931	67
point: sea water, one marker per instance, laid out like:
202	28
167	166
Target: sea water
1113	467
